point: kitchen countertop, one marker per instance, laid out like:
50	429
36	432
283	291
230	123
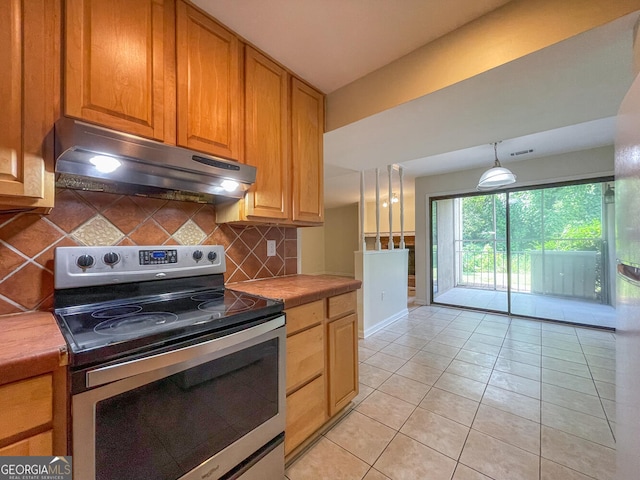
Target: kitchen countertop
298	289
31	345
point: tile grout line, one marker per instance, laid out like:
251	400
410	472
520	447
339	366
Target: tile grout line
493	369
598	392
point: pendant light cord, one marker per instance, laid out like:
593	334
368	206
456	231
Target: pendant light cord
495	151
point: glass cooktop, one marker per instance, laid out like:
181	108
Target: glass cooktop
107	328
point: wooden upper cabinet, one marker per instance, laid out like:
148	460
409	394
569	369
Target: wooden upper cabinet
119	65
29	89
307	128
267	137
209	85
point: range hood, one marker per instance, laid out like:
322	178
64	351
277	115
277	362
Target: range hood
95	158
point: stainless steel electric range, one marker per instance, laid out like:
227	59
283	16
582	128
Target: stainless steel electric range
172	375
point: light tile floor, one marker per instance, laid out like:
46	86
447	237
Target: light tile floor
447	394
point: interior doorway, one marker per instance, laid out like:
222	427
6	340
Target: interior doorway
539	252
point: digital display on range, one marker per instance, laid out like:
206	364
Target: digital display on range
158	257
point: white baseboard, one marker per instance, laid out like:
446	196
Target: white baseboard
384	323
420	301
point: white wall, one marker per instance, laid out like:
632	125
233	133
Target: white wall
383	296
569	166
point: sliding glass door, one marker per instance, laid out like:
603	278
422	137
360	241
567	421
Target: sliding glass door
471	252
538	252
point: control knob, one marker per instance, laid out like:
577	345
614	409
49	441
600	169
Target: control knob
212	256
111	258
85	261
197	255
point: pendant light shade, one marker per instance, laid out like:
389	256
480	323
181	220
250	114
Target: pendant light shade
497	176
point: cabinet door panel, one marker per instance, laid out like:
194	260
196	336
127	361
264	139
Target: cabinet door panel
340	305
307	128
26	404
209	95
116	64
266	141
305	357
29	90
343	362
305	413
304	316
38	445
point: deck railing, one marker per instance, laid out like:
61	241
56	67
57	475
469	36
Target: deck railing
573	267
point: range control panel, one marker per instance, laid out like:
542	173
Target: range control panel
89	266
158	257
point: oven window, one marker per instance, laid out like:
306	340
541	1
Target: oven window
164	429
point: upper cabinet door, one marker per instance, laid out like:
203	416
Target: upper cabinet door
209	85
119	69
267	139
29	89
307	128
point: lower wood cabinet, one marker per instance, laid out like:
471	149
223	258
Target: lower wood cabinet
322	365
342	352
26	405
37	445
33	415
306	413
305	353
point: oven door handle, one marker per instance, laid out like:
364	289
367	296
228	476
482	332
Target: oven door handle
190	356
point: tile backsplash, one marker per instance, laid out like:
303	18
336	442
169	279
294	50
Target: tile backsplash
27	241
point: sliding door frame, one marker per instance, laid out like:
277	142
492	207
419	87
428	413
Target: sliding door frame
507	191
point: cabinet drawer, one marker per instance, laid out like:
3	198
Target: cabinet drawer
304	316
25	405
305	413
38	445
305	356
341	305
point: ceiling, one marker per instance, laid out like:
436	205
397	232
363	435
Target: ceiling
331	43
560	99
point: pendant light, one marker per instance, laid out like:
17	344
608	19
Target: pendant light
497	176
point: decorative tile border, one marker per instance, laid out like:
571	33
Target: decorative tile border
27	241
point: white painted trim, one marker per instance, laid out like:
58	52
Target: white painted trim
385	323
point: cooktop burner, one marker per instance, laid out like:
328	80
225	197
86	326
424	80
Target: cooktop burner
135	323
226	307
111	312
208	296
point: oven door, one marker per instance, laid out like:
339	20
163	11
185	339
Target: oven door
194	412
